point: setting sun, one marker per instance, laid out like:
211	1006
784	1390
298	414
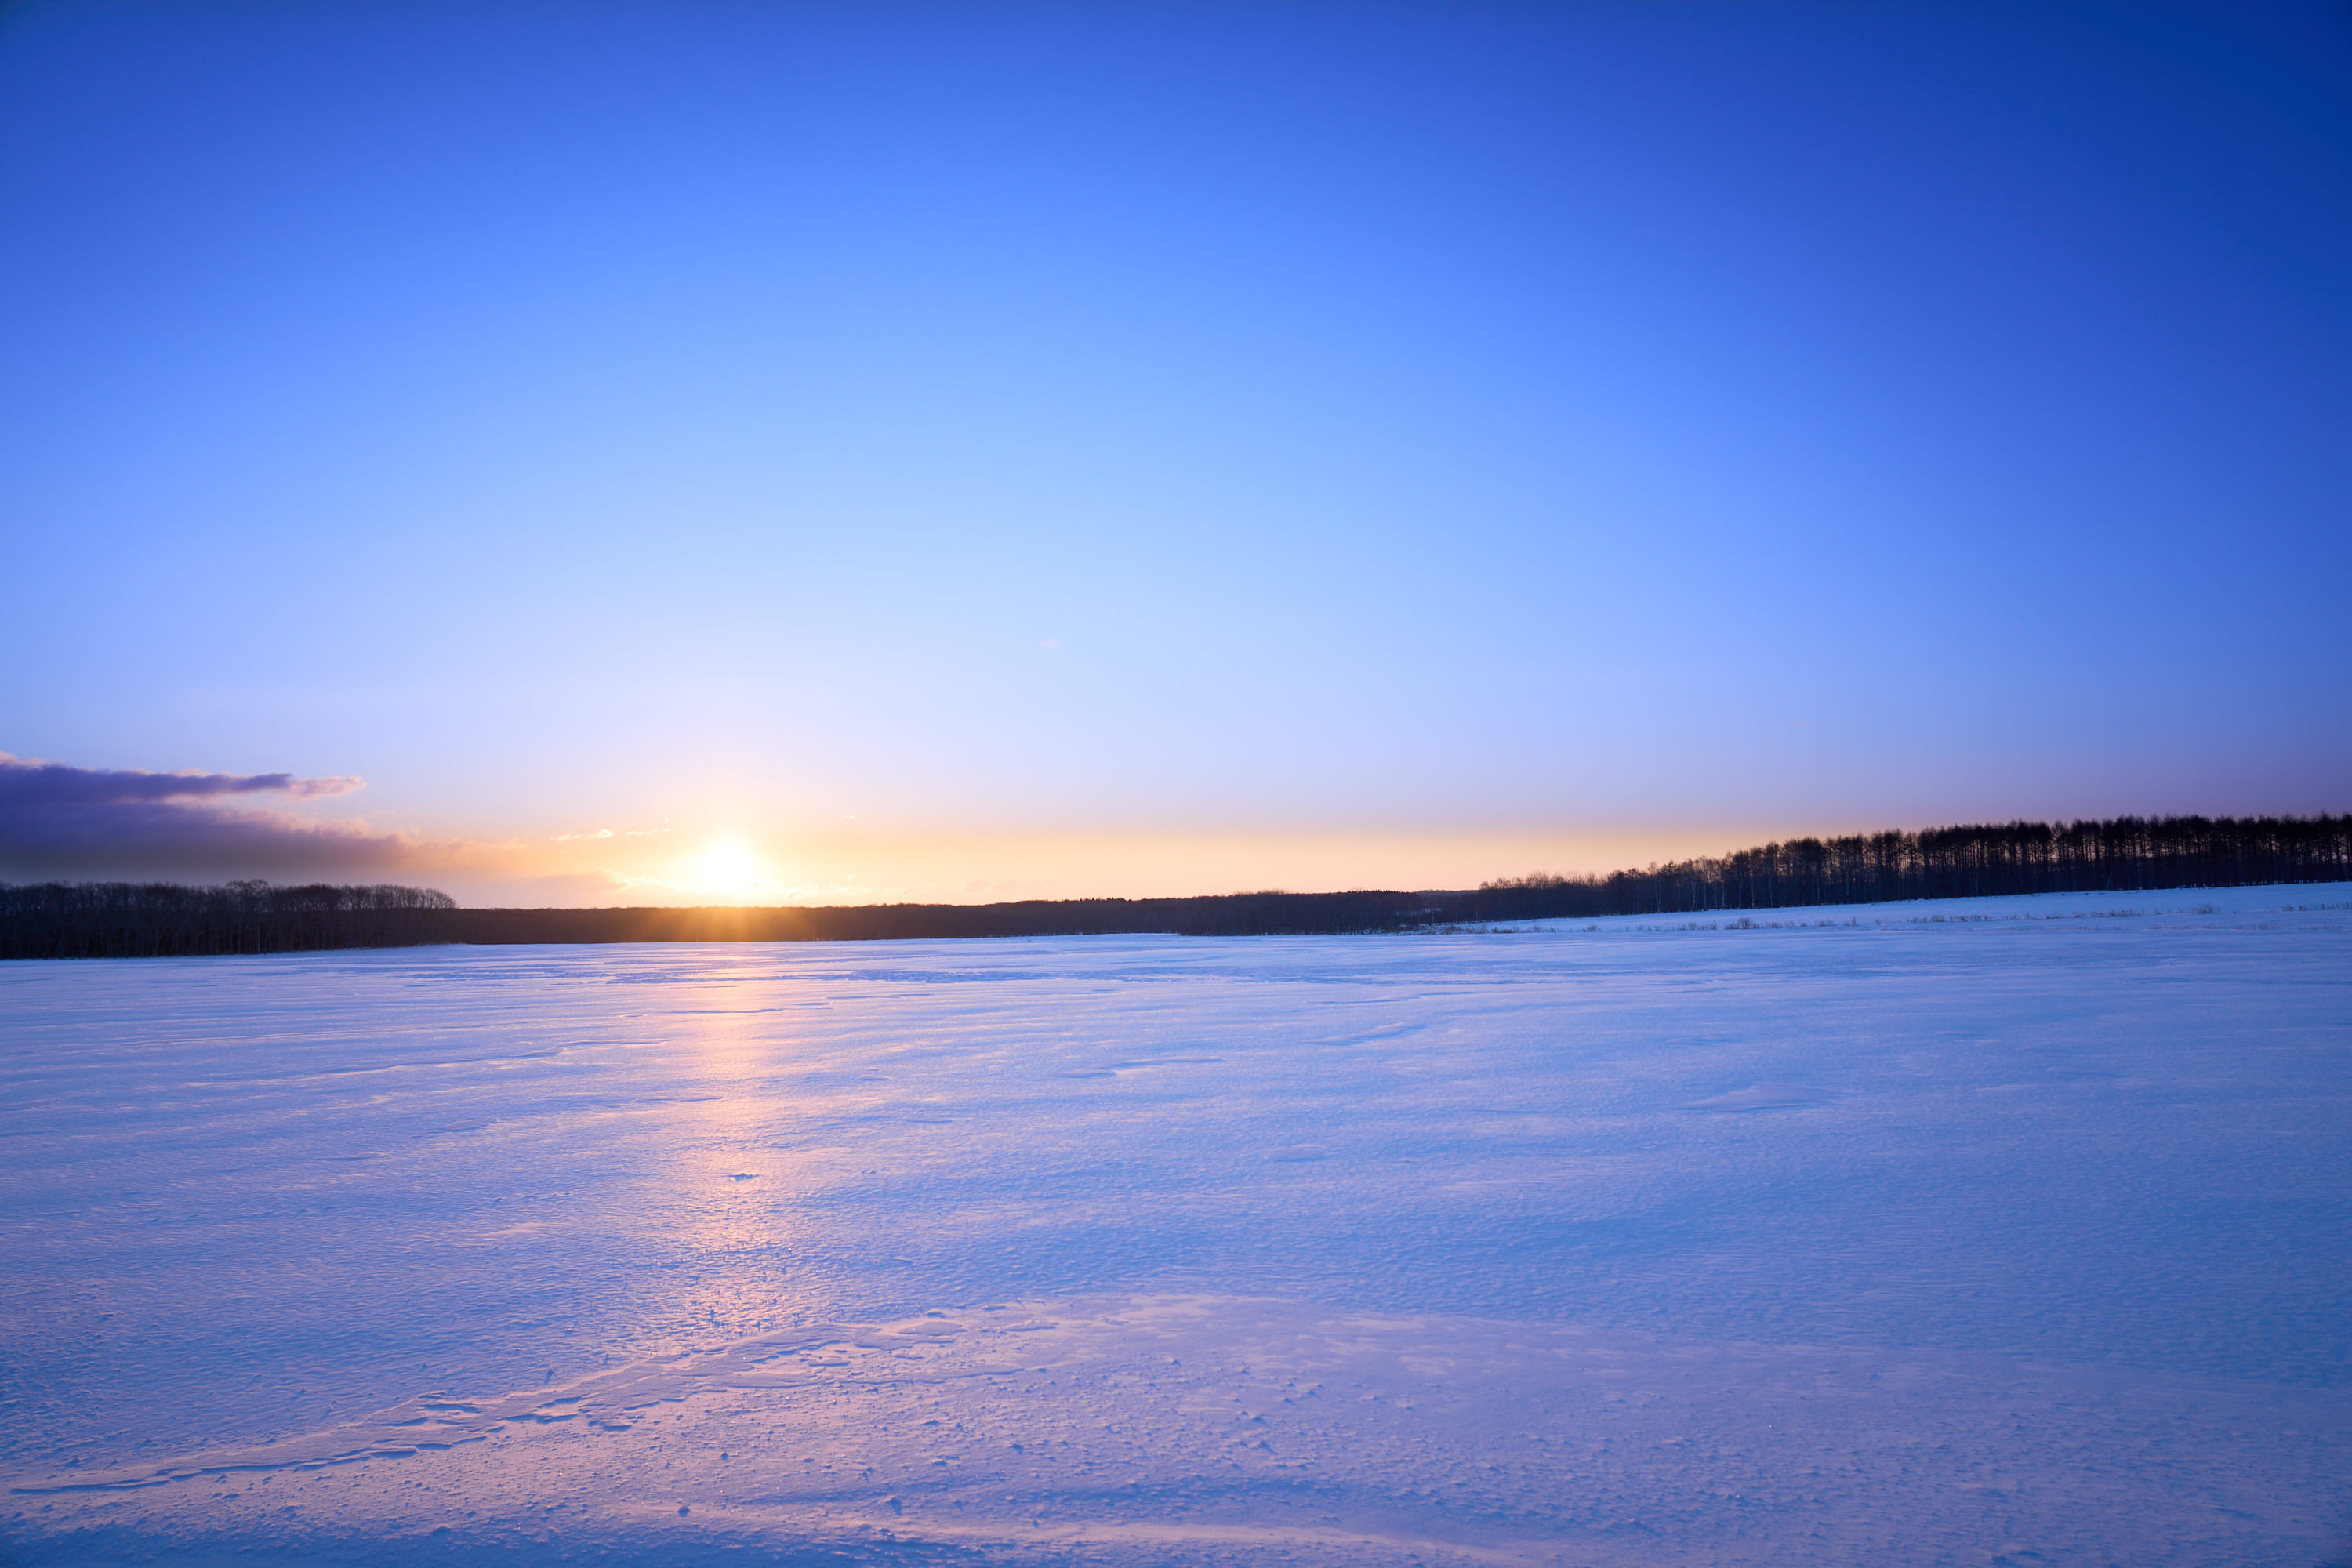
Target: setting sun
727	868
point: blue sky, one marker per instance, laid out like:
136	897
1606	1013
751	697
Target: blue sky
963	451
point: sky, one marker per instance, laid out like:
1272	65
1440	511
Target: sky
615	453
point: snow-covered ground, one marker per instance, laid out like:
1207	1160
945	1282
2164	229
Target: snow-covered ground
2013	1231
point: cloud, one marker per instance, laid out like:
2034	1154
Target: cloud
32	784
62	821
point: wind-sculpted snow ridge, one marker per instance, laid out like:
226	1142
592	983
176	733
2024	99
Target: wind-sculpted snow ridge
2007	1237
1149	1429
610	1400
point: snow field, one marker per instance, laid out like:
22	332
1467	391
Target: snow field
1961	1240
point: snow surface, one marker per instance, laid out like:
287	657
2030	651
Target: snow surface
2011	1230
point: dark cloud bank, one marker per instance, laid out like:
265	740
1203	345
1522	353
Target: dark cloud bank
57	821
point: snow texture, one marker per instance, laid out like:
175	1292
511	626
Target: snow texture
2010	1231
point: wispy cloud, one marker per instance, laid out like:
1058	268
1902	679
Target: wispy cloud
56	820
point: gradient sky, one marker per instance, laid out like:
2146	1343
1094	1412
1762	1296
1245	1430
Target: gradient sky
971	451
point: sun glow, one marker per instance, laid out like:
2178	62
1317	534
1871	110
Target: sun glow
728	869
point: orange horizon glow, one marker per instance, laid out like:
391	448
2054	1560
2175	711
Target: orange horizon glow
737	867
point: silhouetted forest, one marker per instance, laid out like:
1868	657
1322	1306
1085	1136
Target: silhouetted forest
1230	914
2122	854
120	920
163	920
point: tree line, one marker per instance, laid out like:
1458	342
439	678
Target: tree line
154	920
165	919
120	920
1227	914
2122	854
